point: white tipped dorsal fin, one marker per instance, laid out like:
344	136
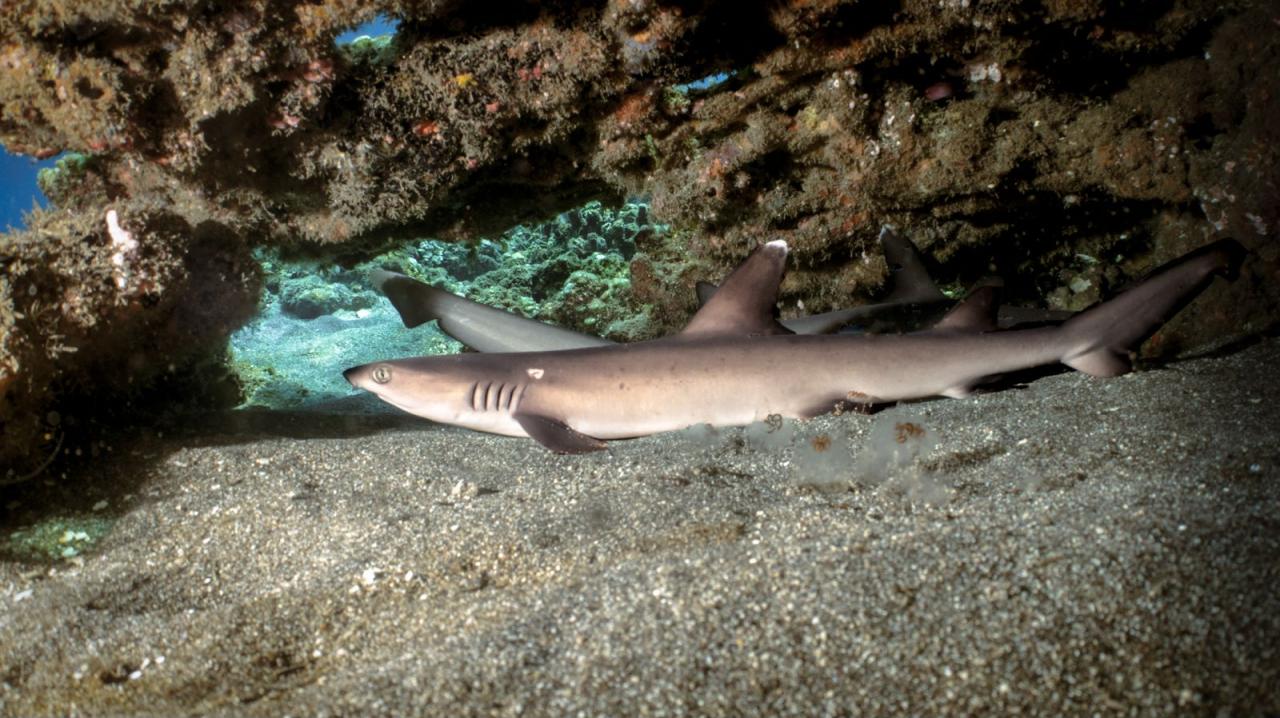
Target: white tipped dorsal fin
746	302
907	273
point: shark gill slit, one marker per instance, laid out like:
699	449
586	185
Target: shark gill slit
513	404
477	396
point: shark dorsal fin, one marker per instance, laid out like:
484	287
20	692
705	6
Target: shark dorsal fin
976	312
746	302
907	273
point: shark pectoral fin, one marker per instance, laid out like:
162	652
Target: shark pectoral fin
959	391
557	435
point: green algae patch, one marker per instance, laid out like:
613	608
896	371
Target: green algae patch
55	538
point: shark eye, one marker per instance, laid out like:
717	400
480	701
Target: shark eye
382	374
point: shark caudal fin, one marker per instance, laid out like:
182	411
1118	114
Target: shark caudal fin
747	301
1102	339
417	302
479	326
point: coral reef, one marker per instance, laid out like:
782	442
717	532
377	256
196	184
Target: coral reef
310	296
317	315
1003	136
91	319
573	271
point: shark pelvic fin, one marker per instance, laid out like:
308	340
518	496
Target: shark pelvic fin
557	435
975	313
907	272
746	303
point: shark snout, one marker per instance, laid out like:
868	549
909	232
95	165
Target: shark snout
350	376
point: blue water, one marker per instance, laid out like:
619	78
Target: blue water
381	25
707	82
18	190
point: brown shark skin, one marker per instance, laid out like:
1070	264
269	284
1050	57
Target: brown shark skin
725	380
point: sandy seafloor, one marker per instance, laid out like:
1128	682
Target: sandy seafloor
1080	546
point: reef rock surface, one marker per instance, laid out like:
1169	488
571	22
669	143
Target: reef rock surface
1067	146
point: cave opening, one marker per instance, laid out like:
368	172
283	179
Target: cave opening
318	317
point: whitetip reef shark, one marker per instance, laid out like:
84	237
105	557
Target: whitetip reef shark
734	364
914	301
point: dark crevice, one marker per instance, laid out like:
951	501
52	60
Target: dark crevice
1100	69
159	115
729	35
855	20
1000	115
1024	227
456	17
248	143
1201	131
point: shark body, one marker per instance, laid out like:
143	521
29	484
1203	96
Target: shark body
914	302
734	364
479	326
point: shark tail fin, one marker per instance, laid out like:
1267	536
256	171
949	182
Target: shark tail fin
1102	339
417	302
